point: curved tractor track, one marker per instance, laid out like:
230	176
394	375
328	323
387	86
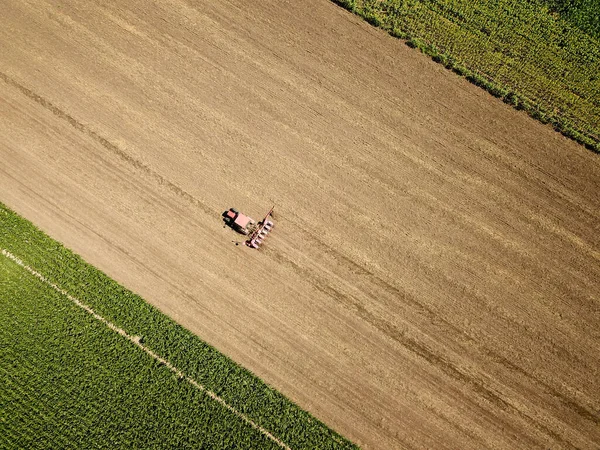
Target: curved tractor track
432	281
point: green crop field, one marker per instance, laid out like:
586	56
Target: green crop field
107	376
541	56
583	14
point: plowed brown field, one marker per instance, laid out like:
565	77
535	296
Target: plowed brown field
433	277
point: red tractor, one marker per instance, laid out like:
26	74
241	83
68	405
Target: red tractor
238	221
247	226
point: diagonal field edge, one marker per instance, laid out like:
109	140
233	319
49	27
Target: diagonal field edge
136	340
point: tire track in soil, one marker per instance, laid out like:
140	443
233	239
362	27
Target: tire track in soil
137	164
351	303
427	312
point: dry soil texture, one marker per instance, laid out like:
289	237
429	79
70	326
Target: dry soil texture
433	277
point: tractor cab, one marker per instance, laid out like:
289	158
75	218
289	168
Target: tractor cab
238	221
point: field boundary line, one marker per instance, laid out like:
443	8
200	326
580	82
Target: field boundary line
136	340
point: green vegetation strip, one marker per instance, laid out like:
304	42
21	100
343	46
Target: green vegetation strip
521	51
72	379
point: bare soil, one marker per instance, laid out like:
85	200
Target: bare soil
433	277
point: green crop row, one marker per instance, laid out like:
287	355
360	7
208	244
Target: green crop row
67	380
517	50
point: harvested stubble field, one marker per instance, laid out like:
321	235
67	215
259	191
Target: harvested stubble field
433	278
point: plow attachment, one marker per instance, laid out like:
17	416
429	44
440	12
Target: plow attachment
262	231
